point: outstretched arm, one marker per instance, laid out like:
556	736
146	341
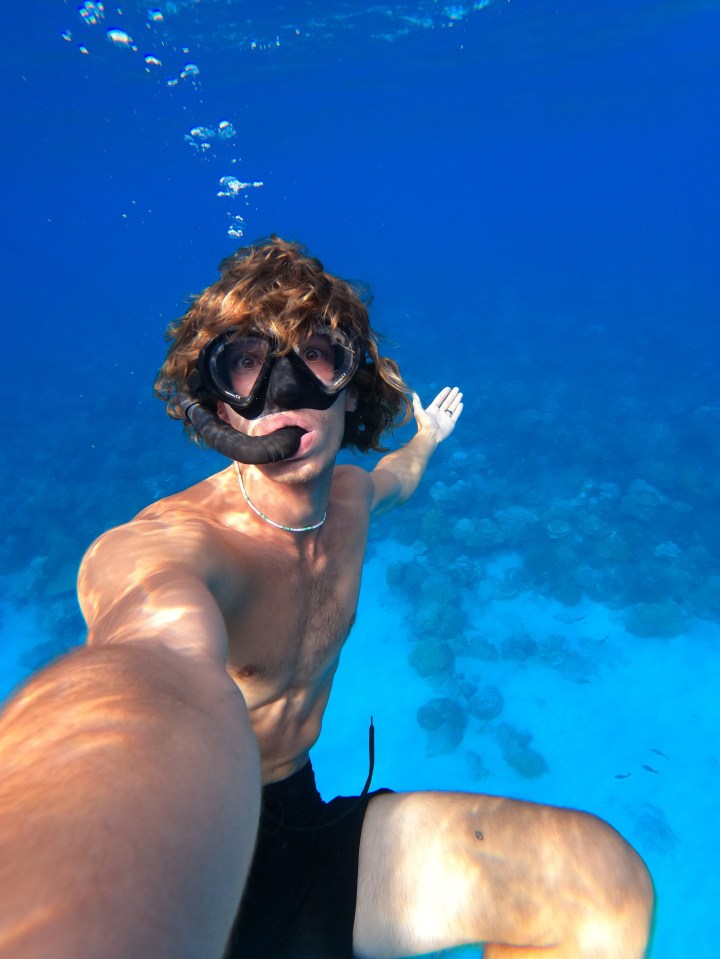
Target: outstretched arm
397	475
129	778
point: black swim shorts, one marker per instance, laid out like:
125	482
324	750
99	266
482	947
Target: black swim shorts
299	901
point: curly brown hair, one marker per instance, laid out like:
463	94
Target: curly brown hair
278	289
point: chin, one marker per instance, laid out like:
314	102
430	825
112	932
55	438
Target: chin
294	472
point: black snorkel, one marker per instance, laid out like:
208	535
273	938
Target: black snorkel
220	436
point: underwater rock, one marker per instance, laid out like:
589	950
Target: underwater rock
433	526
653	830
566	591
642	501
407	576
436	620
514	745
558	528
668	549
479	534
425	619
594	526
512	524
519	647
445	723
435	712
480	648
465	572
613	548
528	762
456	494
428	656
440	588
662	620
486	703
552	649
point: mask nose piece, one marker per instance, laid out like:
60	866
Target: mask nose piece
284	391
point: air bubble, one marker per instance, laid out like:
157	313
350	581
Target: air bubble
152	62
155	16
225	130
120	39
199	136
234	187
91	13
237	226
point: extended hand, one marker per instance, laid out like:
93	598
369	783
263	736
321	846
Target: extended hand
442	414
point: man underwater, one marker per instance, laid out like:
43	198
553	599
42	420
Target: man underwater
156	777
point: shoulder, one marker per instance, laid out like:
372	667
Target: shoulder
173	533
378	489
353	484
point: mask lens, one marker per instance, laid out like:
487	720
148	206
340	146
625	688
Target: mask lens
330	356
236	364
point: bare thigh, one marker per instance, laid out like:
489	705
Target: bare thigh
440	869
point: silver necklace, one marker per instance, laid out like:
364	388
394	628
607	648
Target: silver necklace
253	507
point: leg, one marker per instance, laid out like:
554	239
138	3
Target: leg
445	869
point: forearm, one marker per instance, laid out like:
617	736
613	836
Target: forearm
408	464
129	797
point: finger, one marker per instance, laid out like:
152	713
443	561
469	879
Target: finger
453	411
454	400
441	397
451	400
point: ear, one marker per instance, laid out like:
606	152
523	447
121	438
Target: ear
222	412
351	399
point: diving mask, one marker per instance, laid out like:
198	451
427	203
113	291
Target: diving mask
246	370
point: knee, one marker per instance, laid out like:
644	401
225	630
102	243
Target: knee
616	880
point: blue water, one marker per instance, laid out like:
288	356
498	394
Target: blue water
530	188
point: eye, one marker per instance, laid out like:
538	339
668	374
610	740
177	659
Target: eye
314	354
246	361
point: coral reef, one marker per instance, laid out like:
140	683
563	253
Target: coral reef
552	649
486	702
664	620
514	745
520	647
428	656
445	724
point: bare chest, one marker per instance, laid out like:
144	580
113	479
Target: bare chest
294	618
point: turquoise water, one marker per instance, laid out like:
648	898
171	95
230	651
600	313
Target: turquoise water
531	191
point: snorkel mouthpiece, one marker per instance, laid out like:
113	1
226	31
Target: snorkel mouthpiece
237	446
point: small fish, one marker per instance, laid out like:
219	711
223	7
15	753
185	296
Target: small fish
568	618
650	769
659	752
622	775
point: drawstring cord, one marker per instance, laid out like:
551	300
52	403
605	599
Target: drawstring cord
279	822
